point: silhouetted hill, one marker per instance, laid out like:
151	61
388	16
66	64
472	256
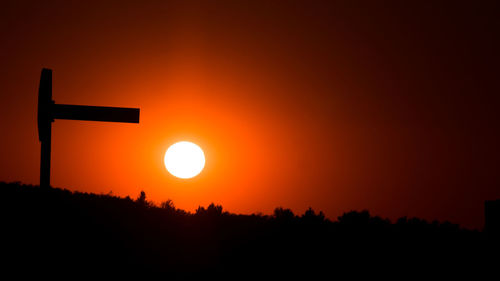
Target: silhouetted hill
55	231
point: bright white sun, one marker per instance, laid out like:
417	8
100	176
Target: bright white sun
184	159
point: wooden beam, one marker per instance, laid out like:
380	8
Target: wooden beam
95	113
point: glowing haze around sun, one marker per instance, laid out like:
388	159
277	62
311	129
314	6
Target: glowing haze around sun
184	159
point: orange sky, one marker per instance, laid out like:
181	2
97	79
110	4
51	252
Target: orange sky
336	106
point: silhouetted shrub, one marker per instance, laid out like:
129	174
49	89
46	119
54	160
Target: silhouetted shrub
310	216
200	210
355	218
283	214
168	206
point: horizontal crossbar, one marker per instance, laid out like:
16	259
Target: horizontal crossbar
95	113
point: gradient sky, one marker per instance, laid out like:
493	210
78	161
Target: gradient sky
390	106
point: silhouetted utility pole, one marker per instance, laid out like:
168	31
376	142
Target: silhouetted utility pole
48	110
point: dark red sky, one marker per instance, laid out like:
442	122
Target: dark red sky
390	106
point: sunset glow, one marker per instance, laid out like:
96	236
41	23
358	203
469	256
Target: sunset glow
333	105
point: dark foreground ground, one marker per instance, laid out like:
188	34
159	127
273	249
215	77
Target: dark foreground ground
55	232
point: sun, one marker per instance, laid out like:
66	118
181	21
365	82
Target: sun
184	159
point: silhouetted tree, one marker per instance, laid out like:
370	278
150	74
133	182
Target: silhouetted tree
355	218
200	210
142	198
283	214
310	216
214	210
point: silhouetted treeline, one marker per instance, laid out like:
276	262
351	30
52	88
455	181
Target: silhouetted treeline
55	231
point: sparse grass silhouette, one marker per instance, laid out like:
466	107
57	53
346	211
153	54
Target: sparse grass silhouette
54	230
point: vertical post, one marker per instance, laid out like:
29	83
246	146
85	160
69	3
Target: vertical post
45	119
45	159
